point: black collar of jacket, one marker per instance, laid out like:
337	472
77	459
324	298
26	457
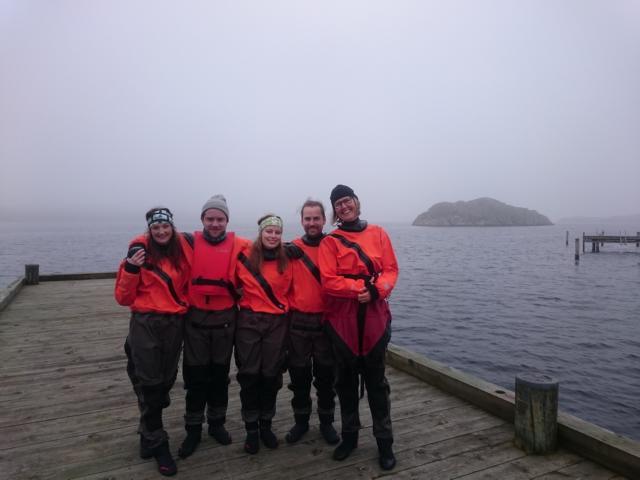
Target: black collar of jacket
312	241
355	226
213	240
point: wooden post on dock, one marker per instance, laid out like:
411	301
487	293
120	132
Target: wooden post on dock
577	255
566	241
32	274
536	413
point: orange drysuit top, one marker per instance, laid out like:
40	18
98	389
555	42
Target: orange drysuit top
224	301
306	291
359	328
159	288
254	296
335	260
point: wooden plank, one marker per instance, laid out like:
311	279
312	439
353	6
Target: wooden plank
531	466
582	470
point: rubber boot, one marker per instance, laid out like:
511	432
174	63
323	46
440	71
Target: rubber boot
348	445
252	442
329	433
219	433
299	429
386	459
267	436
191	441
166	464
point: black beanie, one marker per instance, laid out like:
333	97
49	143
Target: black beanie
340	191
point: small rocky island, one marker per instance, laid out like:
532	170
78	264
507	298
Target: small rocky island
481	212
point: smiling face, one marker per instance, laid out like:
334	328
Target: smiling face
161	232
214	222
270	237
312	221
346	209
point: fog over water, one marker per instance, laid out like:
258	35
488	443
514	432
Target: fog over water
107	108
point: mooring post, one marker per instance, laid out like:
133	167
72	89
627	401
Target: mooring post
32	274
536	413
577	255
566	241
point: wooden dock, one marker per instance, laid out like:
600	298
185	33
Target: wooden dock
68	411
598	241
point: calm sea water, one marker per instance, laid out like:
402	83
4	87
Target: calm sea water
492	302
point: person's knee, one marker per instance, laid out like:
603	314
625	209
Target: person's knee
195	376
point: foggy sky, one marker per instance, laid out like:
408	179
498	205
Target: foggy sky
110	107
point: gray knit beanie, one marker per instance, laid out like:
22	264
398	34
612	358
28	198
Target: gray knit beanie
219	203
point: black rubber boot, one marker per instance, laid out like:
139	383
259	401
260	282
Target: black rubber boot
166	464
219	433
348	445
386	459
267	436
299	429
252	442
145	452
191	441
329	433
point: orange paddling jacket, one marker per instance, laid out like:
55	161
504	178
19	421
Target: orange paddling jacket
267	293
350	261
306	291
158	288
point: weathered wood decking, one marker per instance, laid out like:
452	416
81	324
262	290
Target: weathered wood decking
67	411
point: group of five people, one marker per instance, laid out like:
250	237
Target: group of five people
316	306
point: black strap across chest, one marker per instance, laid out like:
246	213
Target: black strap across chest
264	284
361	254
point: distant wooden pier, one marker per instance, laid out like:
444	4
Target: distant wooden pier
598	241
68	410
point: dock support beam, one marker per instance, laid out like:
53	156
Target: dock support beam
31	274
536	413
577	255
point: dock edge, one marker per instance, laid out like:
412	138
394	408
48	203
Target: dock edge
10	291
620	454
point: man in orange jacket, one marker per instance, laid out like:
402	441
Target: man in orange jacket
210	325
310	354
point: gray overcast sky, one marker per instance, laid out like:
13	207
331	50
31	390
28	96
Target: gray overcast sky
114	106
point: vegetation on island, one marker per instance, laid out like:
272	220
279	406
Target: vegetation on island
481	212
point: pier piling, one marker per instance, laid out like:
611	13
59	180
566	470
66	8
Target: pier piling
577	255
566	241
32	274
536	413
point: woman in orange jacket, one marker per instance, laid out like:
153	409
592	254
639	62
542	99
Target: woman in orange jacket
265	277
358	269
152	281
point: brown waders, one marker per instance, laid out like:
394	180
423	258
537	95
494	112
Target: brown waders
153	351
260	355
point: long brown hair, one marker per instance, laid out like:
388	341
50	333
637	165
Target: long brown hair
256	257
172	251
